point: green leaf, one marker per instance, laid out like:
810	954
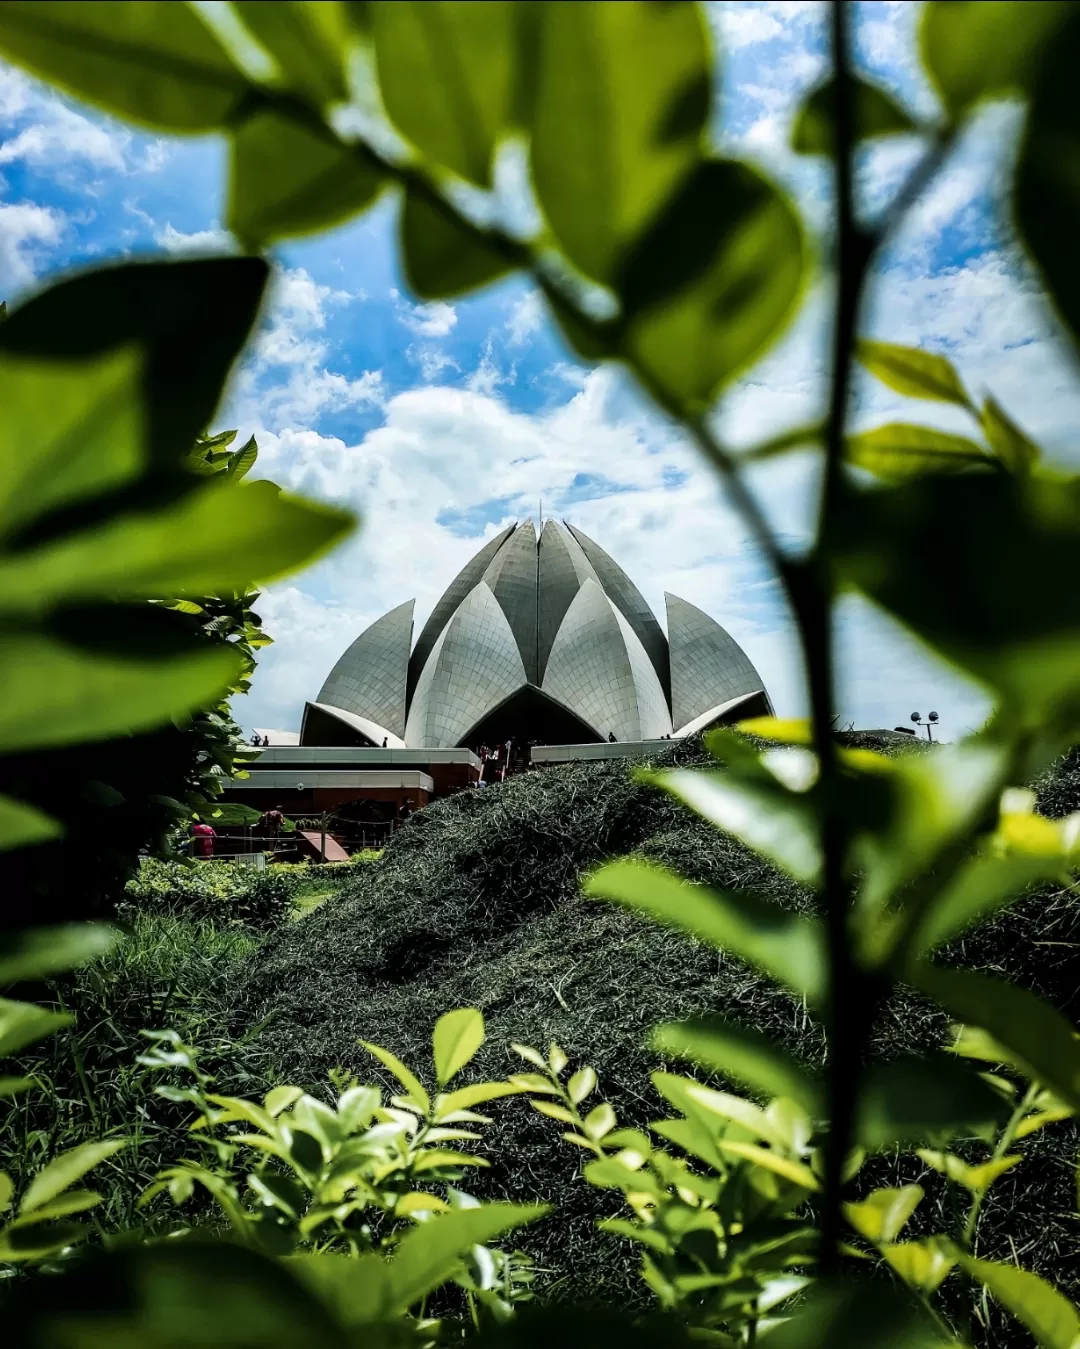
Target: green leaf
218	537
704	1106
881	1215
458	1035
913	1100
243	461
713	280
741	1053
1014	449
768	817
308	42
1048	199
794	1171
1038	1038
285	180
974	51
855	1314
22	826
65	1170
74	1201
924	1264
1051	1318
408	1079
48	950
913	372
979	888
59	694
442	253
995	615
581	1084
14	1086
476	1094
21	1024
35	1241
974	1178
448	73
160	308
876	113
155	63
900	451
70	430
622	102
786	945
432	1252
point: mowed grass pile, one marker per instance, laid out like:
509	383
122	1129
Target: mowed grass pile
477	902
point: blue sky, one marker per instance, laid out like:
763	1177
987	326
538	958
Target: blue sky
442	422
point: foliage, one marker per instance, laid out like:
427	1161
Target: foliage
657	251
220	892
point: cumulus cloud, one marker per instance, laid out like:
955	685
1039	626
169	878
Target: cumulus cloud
27	231
50	135
526	318
425	320
212	240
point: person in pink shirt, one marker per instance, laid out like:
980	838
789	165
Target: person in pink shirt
204	840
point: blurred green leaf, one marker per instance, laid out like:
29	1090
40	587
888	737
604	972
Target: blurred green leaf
65	1170
155	63
70	430
458	1035
13	1086
164	308
1039	1039
777	823
741	1053
448	73
286	180
21	1024
34	1242
900	451
22	826
405	1076
912	371
622	102
307	40
974	51
973	1178
964	562
429	1254
855	1314
876	112
48	950
881	1216
712	280
59	694
914	1100
922	1265
1017	452
217	537
786	945
1047	198
444	255
1051	1318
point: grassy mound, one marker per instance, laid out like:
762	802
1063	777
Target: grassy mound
477	902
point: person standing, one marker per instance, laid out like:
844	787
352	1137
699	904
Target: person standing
203	840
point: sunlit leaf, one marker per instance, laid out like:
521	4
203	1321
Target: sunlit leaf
155	62
1038	1038
243	460
786	945
876	113
22	826
286	180
217	537
714	279
856	1314
979	888
622	101
796	1172
443	254
974	51
974	1178
912	371
899	451
448	73
308	42
458	1035
405	1076
924	1264
741	1053
429	1254
881	1216
65	1170
1051	1318
1017	451
912	1100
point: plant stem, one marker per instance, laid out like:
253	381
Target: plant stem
1005	1141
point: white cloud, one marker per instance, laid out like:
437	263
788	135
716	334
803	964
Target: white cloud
425	320
526	318
53	136
433	361
25	231
212	240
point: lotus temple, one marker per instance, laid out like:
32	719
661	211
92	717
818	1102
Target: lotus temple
540	650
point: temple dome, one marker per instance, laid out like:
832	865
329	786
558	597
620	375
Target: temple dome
541	639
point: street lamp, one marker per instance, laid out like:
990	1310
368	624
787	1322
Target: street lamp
931	720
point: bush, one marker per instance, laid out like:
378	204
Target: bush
221	892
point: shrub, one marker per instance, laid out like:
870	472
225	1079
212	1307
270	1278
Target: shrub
221	892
